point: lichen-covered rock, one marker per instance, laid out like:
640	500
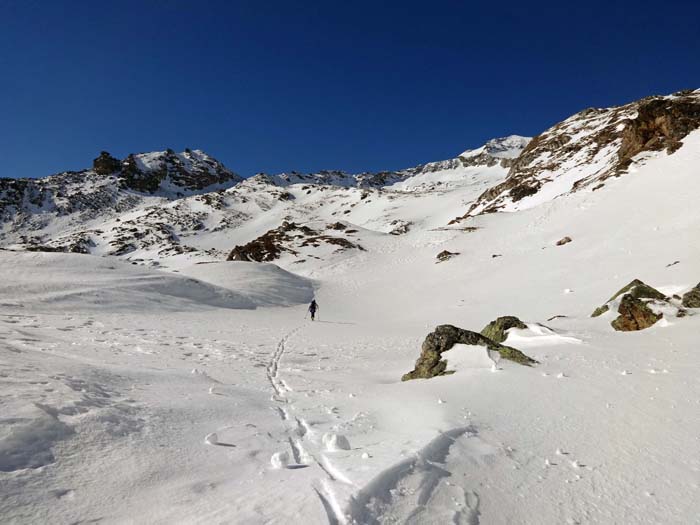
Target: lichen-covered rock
600	310
634	315
691	299
444	337
639	290
496	330
632	304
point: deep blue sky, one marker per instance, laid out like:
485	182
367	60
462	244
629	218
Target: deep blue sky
273	86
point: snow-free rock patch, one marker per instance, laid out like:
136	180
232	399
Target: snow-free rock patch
443	338
497	330
446	255
639	306
691	299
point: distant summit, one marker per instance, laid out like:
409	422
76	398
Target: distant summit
190	171
501	148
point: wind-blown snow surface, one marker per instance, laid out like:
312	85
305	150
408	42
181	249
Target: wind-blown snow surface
181	411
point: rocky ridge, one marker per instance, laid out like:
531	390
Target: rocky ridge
590	147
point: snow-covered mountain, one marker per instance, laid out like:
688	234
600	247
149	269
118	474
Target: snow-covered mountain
165	208
590	147
154	206
559	339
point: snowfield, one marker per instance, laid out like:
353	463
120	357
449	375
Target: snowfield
200	393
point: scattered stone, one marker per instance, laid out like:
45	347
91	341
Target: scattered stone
563	241
400	227
672	264
496	330
443	338
691	299
496	255
445	255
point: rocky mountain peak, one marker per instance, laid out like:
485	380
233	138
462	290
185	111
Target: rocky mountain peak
189	171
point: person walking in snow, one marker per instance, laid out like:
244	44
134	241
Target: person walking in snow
312	308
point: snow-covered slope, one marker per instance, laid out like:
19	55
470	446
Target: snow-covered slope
173	402
160	208
590	147
32	210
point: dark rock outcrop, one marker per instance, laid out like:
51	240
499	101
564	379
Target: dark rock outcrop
691	299
633	309
430	363
289	237
496	330
563	241
659	124
105	164
445	255
609	136
634	315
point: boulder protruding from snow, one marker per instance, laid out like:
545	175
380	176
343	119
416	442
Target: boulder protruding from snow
691	299
634	303
634	315
496	330
563	241
430	363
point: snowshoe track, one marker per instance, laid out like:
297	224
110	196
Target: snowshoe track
298	432
417	491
